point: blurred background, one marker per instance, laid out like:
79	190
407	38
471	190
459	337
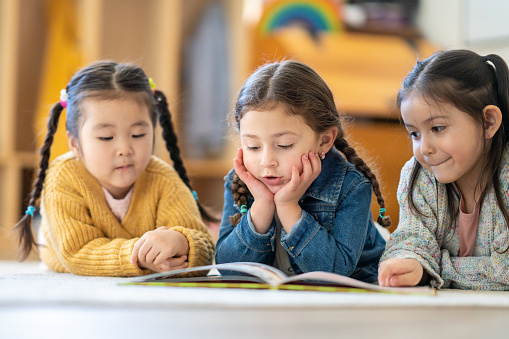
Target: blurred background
199	52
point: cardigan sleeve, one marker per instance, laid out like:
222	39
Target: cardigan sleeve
429	239
415	236
487	268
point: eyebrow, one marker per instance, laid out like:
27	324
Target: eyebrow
277	135
105	125
428	120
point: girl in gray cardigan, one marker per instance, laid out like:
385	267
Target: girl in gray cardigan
453	194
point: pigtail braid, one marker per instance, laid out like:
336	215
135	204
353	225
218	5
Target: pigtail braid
26	237
342	145
240	193
170	139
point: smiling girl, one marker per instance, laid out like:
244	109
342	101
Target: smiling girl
292	200
453	195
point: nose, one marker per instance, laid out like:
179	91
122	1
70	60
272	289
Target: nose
124	148
427	147
268	160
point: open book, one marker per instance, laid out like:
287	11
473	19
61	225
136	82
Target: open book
260	276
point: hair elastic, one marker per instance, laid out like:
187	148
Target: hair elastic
491	64
153	87
243	209
30	211
63	98
195	195
382	210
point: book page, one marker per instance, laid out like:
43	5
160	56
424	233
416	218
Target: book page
266	274
336	279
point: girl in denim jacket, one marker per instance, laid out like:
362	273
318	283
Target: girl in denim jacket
453	194
292	200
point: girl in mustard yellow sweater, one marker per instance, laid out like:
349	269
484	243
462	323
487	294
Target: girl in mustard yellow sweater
109	207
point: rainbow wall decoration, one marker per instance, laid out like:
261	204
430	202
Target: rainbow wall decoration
315	15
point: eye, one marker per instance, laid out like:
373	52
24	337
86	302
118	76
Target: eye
414	135
105	138
138	135
285	146
437	129
252	148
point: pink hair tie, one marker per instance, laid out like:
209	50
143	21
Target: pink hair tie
63	98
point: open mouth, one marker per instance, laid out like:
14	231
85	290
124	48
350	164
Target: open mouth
271	180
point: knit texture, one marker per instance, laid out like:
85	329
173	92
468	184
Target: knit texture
84	237
427	238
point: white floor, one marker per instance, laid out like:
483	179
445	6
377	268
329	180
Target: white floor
35	302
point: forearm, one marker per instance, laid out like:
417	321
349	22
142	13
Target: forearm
243	243
262	215
100	257
289	215
196	244
480	273
314	248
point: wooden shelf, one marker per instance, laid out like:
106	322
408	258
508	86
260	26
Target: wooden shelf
146	33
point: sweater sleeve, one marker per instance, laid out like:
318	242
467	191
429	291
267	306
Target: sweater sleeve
81	248
415	236
177	209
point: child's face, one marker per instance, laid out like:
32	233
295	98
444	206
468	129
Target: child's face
116	142
445	140
273	142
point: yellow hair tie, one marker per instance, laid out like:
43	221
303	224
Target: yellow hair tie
152	84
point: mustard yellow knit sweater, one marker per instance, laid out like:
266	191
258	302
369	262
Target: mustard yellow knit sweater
82	235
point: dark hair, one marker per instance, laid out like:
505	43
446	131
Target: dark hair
300	91
103	80
470	82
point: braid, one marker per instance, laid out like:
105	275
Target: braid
341	144
24	226
240	192
169	136
170	139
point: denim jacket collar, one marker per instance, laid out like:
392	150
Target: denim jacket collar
328	184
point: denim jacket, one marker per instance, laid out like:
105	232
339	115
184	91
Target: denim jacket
335	232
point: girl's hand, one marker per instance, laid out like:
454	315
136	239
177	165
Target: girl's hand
290	193
262	209
161	250
171	264
400	272
287	198
257	188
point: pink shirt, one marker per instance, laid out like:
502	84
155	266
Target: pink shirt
119	207
467	229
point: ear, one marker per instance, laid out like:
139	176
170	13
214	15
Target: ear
73	144
492	120
327	139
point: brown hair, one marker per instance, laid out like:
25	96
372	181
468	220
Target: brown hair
470	82
103	80
300	91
